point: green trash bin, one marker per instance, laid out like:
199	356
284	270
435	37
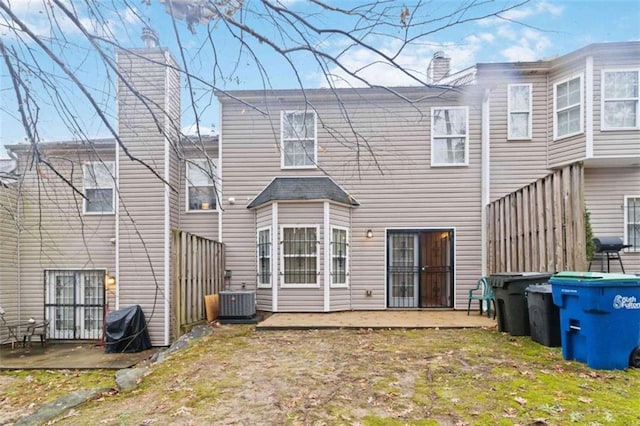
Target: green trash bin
512	311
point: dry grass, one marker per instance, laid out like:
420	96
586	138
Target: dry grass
448	377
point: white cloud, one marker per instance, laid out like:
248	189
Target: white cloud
192	130
530	47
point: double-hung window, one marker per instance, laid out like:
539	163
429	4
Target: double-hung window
299	256
264	257
98	183
339	257
449	136
519	106
299	140
201	185
632	222
567	98
620	100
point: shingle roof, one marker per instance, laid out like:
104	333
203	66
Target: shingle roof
303	188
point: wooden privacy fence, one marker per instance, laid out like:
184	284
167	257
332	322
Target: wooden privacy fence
539	227
198	270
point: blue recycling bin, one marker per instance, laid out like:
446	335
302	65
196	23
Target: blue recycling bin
599	318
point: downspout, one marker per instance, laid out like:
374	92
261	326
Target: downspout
167	217
117	204
220	210
18	236
486	176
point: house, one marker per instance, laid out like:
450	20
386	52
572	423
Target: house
401	178
83	212
327	200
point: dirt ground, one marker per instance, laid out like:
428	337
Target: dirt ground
326	377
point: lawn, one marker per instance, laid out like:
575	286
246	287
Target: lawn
371	377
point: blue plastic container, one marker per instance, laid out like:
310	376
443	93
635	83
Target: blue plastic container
599	318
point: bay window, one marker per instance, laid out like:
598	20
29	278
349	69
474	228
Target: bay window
299	256
620	100
567	103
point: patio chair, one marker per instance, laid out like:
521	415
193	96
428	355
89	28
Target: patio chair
39	329
483	292
11	328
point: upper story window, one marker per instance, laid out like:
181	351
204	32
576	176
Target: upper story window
98	184
201	185
632	222
449	136
264	257
567	103
298	147
620	100
339	257
519	106
300	256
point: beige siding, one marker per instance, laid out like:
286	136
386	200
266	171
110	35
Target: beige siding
572	148
516	163
55	233
605	189
387	169
613	143
9	292
145	128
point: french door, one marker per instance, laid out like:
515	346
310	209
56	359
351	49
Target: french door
420	268
74	304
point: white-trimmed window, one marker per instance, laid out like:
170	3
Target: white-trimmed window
620	100
264	257
339	257
567	105
299	256
299	142
201	185
98	185
632	222
519	106
449	136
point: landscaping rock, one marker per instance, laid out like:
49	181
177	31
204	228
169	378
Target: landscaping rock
183	342
128	378
59	406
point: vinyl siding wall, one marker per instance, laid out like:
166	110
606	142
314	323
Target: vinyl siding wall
9	291
55	233
573	148
516	163
612	143
605	189
386	168
142	206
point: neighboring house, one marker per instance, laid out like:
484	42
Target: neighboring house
332	199
117	219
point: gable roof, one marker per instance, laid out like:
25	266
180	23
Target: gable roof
303	188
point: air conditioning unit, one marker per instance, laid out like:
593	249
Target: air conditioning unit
237	304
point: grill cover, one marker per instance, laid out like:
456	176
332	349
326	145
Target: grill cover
608	244
126	331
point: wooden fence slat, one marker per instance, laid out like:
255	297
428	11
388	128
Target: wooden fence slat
558	225
526	239
567	218
580	258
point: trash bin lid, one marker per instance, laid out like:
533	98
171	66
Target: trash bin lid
504	278
541	288
601	279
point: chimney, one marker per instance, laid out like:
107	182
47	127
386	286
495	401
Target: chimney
150	38
438	68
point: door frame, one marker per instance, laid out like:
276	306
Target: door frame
418	230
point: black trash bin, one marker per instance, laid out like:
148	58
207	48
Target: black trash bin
509	288
544	316
126	331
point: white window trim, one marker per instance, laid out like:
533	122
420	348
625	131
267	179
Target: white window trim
346	260
529	111
259	284
315	140
555	108
113	188
626	223
603	126
216	184
281	269
466	137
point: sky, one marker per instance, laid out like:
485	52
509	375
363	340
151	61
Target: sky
533	31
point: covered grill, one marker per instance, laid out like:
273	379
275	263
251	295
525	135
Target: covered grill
608	248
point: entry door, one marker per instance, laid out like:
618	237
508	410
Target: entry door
75	304
403	270
420	268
